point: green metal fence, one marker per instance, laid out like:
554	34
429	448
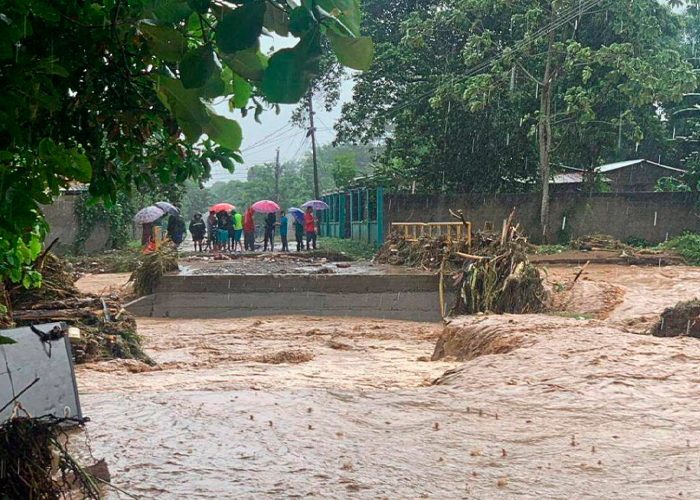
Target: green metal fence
356	214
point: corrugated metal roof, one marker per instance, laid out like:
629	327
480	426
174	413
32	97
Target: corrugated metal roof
567	178
622	164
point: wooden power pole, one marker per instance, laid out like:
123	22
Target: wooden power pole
312	133
278	172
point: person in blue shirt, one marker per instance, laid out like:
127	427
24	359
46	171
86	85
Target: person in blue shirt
283	231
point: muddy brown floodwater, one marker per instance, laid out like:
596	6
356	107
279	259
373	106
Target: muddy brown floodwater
283	407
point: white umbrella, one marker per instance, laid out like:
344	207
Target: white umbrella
149	214
168	208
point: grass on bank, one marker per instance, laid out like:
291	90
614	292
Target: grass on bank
356	250
687	245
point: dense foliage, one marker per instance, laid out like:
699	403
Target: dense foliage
487	96
119	94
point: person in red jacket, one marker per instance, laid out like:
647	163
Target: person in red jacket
310	228
249	229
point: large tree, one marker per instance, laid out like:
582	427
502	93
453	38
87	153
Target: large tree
119	93
486	95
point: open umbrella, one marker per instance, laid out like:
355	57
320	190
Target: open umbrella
149	214
297	213
265	206
221	207
168	208
316	205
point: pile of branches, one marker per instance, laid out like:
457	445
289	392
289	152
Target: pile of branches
601	242
34	462
108	331
492	274
498	277
152	268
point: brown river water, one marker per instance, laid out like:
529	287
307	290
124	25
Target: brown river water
583	409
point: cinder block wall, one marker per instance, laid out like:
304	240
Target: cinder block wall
651	216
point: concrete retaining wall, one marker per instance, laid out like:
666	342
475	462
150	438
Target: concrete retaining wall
377	296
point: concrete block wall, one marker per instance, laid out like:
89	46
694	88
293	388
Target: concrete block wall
63	225
375	296
651	216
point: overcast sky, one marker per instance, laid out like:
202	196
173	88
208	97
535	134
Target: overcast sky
260	141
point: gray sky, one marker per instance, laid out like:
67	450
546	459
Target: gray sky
260	141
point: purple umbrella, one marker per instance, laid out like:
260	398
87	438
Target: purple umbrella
316	205
149	214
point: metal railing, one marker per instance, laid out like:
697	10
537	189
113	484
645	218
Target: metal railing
413	231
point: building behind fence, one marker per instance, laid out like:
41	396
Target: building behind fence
366	214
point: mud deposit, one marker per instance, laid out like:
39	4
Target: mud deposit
576	409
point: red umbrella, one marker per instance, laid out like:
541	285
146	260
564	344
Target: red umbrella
221	207
266	206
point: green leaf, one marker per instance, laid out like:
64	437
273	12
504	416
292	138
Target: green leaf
290	71
201	6
6	340
164	42
346	12
223	131
355	53
300	21
214	87
184	104
249	64
197	67
240	28
227	163
170	11
6	156
276	20
241	92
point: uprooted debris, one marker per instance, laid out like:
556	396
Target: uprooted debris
152	268
35	462
107	329
492	274
682	320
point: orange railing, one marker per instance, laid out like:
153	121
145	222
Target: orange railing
413	231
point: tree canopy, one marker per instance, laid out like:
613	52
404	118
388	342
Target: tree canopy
486	96
119	94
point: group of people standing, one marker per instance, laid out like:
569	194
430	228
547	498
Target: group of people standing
222	231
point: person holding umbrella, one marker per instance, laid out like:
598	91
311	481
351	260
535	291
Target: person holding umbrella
249	229
176	229
299	233
310	228
270	223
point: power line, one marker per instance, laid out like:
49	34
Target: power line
267	137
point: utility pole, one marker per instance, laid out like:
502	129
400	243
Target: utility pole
278	171
312	133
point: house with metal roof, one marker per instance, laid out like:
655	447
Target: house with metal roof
621	177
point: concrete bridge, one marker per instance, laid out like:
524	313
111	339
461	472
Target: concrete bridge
405	297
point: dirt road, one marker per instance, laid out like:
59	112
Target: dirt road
582	409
